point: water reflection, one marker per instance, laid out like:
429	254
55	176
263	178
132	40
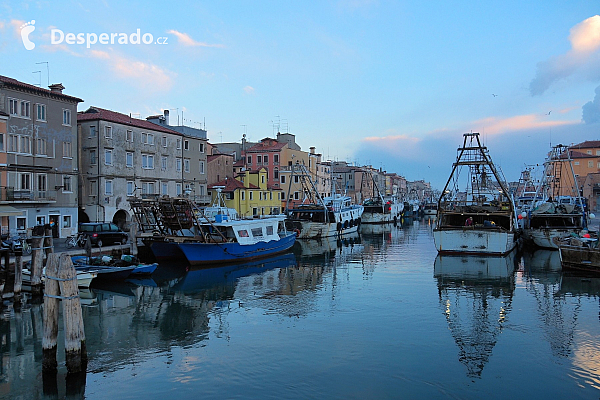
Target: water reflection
476	295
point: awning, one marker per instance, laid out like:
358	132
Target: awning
6	211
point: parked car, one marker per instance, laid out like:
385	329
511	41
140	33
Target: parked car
103	233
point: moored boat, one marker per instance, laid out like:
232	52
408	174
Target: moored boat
562	213
481	220
579	254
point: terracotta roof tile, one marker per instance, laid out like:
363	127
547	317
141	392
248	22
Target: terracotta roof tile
267	145
13	82
231	185
588	144
97	113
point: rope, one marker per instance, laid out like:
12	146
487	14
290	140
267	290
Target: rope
61	279
61	297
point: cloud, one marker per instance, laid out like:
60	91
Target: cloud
591	109
496	125
186	40
16	25
143	74
585	42
249	90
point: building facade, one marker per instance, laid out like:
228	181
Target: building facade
39	165
124	157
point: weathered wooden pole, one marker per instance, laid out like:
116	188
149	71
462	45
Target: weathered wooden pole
51	300
132	240
75	350
18	281
48	240
37	260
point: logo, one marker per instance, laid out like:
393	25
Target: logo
26	29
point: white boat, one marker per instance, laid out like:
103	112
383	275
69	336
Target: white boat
430	209
318	217
562	213
84	278
481	220
381	211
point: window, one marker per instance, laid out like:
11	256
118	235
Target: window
296	179
186	144
178	189
178	144
269	230
590	164
249	160
282	179
41	147
254	211
262	179
42	183
576	162
148	138
260	197
163	163
296	195
257	232
129	136
93	159
66	221
67	150
1	141
67	184
275	158
243	195
164	188
201	167
276	174
598	152
265	159
108	187
148	187
107	156
178	164
129	159
40	112
66	117
13	106
24	111
589	152
24	181
108	132
251	195
130	188
258	159
148	161
25	144
201	147
164	141
243	233
186	165
93	188
92	131
21	223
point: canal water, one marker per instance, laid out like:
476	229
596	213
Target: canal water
375	316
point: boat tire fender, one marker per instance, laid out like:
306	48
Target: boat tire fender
339	226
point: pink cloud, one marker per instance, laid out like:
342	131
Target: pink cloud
186	40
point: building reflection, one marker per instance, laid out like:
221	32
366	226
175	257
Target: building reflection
475	293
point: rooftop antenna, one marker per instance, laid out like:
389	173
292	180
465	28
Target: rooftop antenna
40	72
221	133
244	129
47	71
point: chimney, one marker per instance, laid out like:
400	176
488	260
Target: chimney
166	114
312	150
56	88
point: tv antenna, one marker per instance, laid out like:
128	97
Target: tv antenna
47	72
38	72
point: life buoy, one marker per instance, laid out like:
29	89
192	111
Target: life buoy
297	232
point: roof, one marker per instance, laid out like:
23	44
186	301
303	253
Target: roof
3	114
588	144
267	144
213	157
577	154
18	84
97	113
232	184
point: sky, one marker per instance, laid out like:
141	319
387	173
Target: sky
392	84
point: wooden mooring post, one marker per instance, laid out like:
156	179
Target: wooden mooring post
61	284
37	260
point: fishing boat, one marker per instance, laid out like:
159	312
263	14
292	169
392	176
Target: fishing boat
430	209
378	209
579	254
562	213
482	219
84	278
110	268
182	229
317	217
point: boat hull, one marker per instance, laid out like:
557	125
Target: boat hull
376	215
544	237
579	259
198	253
166	251
474	241
316	230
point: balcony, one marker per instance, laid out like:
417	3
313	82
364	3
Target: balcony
8	194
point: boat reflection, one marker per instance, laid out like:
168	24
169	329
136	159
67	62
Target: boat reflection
475	293
542	265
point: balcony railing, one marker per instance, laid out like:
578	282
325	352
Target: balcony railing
11	194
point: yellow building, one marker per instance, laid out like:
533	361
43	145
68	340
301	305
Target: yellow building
250	194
